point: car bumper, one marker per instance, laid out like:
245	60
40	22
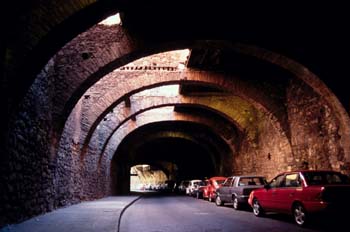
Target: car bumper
325	207
243	199
314	207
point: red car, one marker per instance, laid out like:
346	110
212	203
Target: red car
213	184
302	193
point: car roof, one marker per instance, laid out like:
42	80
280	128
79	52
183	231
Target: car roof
310	171
248	176
217	177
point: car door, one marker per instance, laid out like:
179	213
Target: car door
268	197
225	189
287	192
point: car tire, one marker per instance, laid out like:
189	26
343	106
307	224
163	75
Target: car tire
218	201
257	209
299	214
236	204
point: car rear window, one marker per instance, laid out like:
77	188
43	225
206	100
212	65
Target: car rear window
325	178
251	181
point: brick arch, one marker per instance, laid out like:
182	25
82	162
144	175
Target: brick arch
111	143
230	107
101	9
102	162
130	126
146	80
233	135
76	79
266	56
218	157
111	136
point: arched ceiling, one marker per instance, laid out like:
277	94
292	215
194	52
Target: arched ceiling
191	146
305	33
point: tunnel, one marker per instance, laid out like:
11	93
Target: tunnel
195	150
92	88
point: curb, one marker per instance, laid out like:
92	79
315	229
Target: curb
123	210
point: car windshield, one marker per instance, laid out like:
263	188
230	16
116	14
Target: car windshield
201	183
220	181
186	183
325	178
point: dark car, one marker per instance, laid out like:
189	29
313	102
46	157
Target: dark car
182	186
236	190
303	193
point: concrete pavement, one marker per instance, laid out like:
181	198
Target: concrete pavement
101	215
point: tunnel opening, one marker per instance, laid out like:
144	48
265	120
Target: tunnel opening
155	177
184	150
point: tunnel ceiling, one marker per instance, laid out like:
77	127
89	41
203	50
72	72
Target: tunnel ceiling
194	148
302	33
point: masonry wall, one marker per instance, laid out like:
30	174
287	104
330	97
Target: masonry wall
315	131
29	171
267	155
314	143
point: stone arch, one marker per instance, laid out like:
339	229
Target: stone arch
241	123
215	152
223	81
269	57
231	135
102	163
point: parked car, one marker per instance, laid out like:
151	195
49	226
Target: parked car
183	186
236	190
191	186
213	184
199	189
303	193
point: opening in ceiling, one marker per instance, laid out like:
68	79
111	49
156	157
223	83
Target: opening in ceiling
112	20
175	60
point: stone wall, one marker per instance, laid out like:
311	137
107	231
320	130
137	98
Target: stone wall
315	139
29	171
267	155
315	130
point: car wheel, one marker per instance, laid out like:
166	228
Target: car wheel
236	204
218	201
299	214
257	209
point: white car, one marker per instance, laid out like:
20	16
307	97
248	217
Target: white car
191	186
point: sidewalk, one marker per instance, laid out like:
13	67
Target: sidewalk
101	215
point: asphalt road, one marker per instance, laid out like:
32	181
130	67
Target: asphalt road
158	213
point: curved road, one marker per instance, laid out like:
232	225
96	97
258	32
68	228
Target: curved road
156	213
